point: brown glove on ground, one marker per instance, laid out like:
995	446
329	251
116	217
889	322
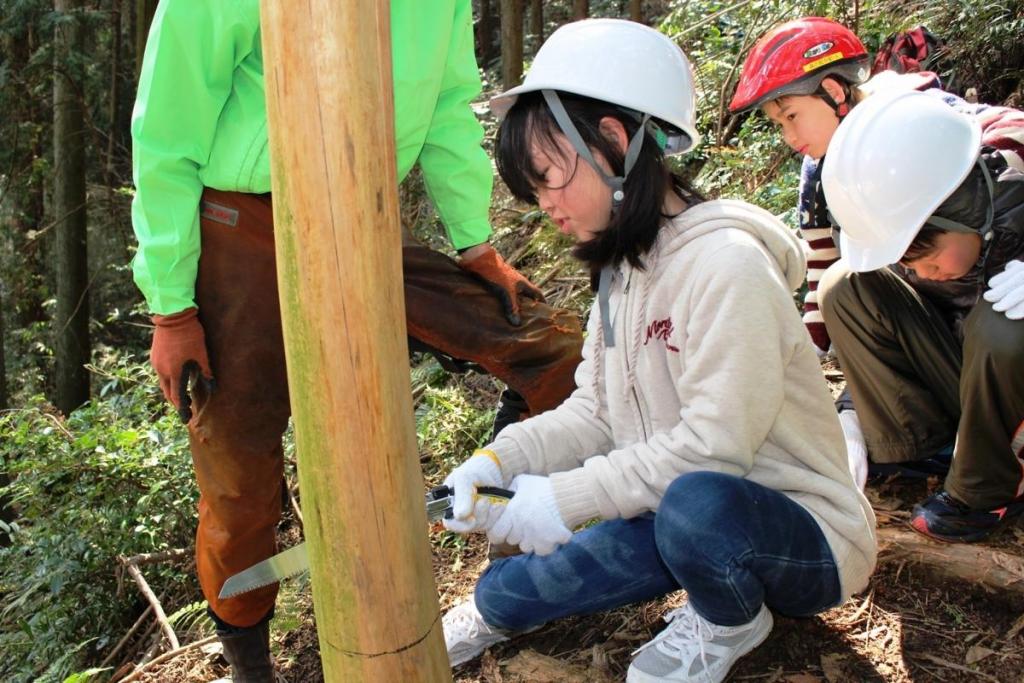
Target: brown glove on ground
506	282
179	353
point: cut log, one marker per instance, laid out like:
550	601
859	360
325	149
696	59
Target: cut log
975	563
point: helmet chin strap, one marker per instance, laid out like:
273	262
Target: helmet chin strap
840	108
614	182
569	130
956	226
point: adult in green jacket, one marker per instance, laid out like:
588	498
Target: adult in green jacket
205	263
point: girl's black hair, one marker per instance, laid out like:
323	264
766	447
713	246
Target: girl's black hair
634	226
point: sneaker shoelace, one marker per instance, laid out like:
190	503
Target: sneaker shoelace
684	628
465	625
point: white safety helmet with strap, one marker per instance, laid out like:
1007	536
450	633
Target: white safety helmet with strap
623	63
891	163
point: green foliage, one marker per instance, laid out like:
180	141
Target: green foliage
449	427
983	46
113	479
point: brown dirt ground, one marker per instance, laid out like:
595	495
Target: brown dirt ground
913	623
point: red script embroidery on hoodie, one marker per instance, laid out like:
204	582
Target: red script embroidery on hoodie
661	329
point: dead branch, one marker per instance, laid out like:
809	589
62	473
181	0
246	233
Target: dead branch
135	675
158	609
151	558
295	507
117	648
975	563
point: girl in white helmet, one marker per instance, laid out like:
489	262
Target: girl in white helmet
910	183
701	433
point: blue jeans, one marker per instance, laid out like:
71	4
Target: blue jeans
733	545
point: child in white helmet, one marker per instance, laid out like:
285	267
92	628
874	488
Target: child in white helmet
741	497
806	75
908	181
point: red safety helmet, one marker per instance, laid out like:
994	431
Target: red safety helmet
794	57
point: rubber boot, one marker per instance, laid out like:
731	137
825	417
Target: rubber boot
511	408
248	652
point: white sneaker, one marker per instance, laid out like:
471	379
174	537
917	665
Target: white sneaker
691	648
466	635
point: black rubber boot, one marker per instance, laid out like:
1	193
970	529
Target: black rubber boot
511	407
248	652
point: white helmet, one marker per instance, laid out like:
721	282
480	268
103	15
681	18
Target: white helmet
616	61
893	160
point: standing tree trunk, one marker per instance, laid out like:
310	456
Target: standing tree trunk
114	99
373	590
72	319
537	21
485	33
636	10
580	9
6	513
144	10
3	364
511	43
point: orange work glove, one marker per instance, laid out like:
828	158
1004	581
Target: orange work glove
179	355
506	282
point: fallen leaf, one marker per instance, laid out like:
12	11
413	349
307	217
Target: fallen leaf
832	666
802	678
1016	628
978	653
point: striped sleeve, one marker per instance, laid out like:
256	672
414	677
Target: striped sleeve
816	230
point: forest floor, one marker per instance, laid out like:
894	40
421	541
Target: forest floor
915	622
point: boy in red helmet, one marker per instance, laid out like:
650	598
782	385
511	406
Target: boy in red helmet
806	75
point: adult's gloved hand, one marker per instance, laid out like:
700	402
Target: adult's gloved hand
1006	291
856	450
470	510
178	354
506	282
531	519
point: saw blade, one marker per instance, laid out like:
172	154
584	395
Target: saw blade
288	563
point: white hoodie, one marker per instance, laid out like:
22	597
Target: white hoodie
711	370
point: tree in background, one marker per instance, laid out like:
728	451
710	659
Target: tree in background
537	20
71	324
511	43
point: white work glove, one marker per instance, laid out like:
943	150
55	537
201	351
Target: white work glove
1006	291
470	511
531	519
856	451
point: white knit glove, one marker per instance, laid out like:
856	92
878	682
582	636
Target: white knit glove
470	511
1006	291
531	519
856	451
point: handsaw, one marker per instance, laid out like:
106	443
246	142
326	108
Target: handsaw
295	560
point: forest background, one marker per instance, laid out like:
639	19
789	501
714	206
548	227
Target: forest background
95	468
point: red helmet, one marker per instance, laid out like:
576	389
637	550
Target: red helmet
794	57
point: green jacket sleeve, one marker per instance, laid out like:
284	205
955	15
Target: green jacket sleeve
455	167
187	70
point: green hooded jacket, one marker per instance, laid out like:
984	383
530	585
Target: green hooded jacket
200	121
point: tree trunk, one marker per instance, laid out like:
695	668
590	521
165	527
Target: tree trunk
485	33
374	597
72	318
114	99
537	21
6	512
636	10
580	9
144	10
511	43
3	364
